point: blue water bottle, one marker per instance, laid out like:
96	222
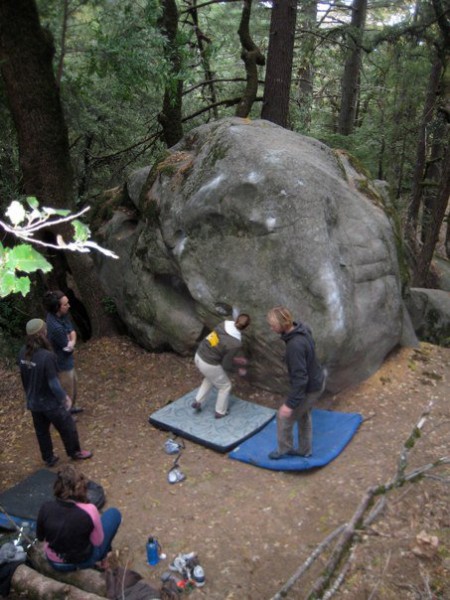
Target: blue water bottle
153	550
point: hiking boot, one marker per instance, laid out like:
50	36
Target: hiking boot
196	406
219	415
298	453
275	455
51	462
82	455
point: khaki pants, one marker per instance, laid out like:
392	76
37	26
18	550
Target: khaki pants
214	376
68	381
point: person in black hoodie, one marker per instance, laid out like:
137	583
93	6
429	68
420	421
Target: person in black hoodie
46	399
307	382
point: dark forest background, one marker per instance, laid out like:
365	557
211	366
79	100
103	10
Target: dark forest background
91	90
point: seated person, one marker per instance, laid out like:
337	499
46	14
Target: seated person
75	535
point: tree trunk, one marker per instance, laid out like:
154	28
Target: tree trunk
202	41
26	55
436	219
447	238
351	76
39	587
277	86
90	580
305	74
60	68
431	179
42	582
170	116
252	57
434	132
444	105
419	169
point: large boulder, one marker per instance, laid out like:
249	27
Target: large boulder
430	314
244	215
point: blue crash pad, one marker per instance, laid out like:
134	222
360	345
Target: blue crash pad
332	431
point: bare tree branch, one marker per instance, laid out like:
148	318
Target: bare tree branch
229	102
207	4
321	587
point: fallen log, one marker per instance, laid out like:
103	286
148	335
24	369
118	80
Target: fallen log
39	587
89	580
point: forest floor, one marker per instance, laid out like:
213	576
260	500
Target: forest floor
252	528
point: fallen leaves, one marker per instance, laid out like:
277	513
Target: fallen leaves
426	545
225	504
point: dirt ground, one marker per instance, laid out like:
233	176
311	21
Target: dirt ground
252	528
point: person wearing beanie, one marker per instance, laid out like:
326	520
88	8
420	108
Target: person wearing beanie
63	337
45	397
34	326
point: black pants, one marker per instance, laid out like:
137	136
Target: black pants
64	424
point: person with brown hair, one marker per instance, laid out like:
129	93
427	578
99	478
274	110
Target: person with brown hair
216	354
63	338
46	399
307	380
74	533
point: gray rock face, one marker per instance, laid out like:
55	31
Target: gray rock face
430	314
244	216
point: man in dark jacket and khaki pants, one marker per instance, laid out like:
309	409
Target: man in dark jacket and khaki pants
307	381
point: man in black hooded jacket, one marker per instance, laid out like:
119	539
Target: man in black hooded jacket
307	381
46	399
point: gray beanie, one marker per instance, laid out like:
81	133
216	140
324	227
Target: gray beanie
35	326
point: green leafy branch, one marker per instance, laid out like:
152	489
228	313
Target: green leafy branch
23	259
